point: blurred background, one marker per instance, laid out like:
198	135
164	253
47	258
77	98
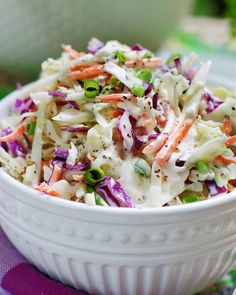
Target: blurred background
32	30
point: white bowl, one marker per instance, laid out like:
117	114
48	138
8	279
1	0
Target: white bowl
34	30
170	250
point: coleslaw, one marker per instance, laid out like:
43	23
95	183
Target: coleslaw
120	127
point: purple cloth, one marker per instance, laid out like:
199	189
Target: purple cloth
18	277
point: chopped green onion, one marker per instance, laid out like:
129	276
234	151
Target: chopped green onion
145	74
106	89
147	55
137	90
190	199
91	89
120	56
202	167
99	200
90	189
172	57
135	70
94	175
30	128
114	81
142	168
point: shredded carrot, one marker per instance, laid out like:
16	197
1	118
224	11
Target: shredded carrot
117	136
155	146
87	73
73	54
45	163
45	188
227	126
107	79
230	140
63	85
144	116
82	67
224	160
117	113
175	138
115	97
154	62
162	123
56	176
14	135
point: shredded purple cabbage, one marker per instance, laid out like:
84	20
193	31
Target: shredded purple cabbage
76	129
73	104
4	146
13	146
53	167
137	47
57	94
152	136
94	47
59	162
147	88
212	104
112	192
22	106
154	100
60	153
138	142
214	189
78	167
165	69
124	126
16	149
178	64
60	157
